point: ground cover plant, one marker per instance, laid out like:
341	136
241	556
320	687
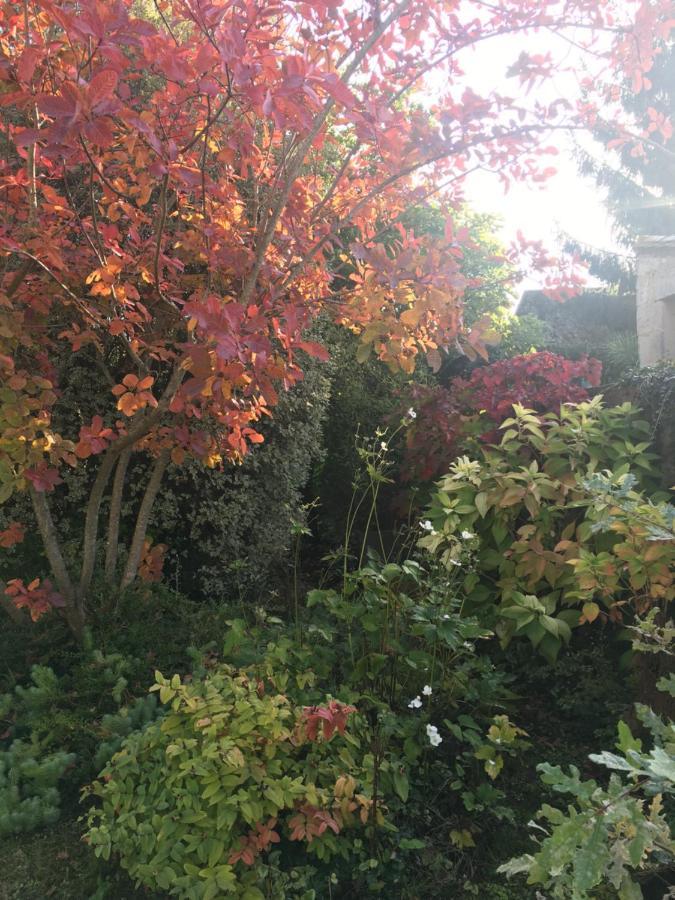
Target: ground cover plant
303	572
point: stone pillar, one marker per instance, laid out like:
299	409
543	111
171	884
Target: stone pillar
655	299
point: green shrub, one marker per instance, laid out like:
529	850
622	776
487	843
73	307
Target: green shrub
653	390
116	726
193	803
80	715
608	835
544	563
29	796
228	531
617	834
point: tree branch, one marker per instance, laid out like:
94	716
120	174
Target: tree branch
105	180
295	166
166	24
409	170
336	180
160	233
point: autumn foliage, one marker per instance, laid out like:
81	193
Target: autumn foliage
178	181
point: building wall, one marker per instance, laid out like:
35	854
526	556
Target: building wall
656	299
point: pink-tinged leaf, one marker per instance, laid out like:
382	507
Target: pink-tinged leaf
43	478
102	86
56	107
28	62
25	137
38	598
338	90
99	132
314	349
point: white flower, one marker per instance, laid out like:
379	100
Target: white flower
411	414
415	703
426	525
426	690
446	616
467	535
434	737
468	645
383	445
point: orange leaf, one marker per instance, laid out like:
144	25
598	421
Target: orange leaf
145	383
127	404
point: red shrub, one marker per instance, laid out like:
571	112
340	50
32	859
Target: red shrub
478	404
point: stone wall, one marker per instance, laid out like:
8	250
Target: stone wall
655	299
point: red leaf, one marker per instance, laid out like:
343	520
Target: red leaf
314	349
102	86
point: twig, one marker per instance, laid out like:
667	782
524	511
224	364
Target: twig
160	233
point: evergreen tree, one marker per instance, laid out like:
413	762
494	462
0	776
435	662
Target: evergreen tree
641	189
639	182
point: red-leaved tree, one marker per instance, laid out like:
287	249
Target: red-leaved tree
175	178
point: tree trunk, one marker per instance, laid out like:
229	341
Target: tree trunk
112	543
73	609
143	518
140	429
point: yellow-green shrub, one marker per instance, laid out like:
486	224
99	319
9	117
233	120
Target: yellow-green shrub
193	803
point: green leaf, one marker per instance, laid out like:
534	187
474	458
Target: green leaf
591	858
667	684
626	740
226	878
629	890
519	866
401	784
662	764
210	790
411	844
166	693
391	570
215	852
275	794
549	647
535	632
551	625
517	614
611	761
481	503
252	893
363	352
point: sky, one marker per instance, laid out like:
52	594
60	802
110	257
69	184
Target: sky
565	205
